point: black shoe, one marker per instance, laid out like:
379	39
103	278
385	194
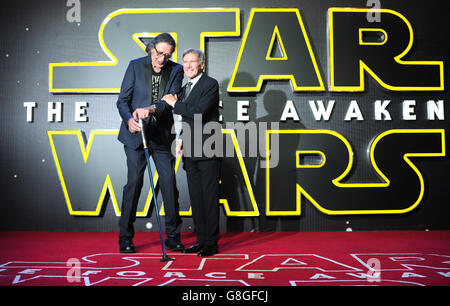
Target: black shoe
208	250
193	249
173	244
126	246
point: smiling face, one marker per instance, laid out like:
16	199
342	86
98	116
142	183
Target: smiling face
192	66
161	54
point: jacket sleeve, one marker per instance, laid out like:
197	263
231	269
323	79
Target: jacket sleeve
208	100
126	94
162	108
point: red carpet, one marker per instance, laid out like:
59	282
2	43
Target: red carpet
398	258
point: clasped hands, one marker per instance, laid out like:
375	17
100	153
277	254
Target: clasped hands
170	99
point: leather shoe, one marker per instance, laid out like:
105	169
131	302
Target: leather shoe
193	249
126	246
173	244
208	250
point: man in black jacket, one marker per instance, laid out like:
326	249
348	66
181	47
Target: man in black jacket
199	107
146	80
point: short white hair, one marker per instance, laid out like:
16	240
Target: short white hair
200	54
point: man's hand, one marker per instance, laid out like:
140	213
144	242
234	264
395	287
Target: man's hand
170	99
179	148
143	113
133	126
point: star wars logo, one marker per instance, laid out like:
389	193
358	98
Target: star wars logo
412	269
275	46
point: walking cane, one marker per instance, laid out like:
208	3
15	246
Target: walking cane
144	141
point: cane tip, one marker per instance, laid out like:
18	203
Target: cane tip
167	258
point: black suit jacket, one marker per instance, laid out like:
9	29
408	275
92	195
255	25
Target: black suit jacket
202	100
136	92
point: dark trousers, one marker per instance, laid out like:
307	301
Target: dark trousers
136	164
203	185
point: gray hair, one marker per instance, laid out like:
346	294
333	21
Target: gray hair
200	54
163	37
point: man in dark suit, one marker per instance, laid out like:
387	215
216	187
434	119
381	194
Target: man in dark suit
199	107
146	80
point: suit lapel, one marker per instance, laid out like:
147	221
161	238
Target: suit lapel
164	79
195	89
148	78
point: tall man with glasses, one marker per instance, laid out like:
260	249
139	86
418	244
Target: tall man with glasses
146	81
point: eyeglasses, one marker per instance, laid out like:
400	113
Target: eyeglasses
159	54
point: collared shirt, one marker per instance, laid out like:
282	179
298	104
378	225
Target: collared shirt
195	80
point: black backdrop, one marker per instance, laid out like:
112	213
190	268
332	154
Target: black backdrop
36	33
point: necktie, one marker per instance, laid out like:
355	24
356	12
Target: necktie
187	90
